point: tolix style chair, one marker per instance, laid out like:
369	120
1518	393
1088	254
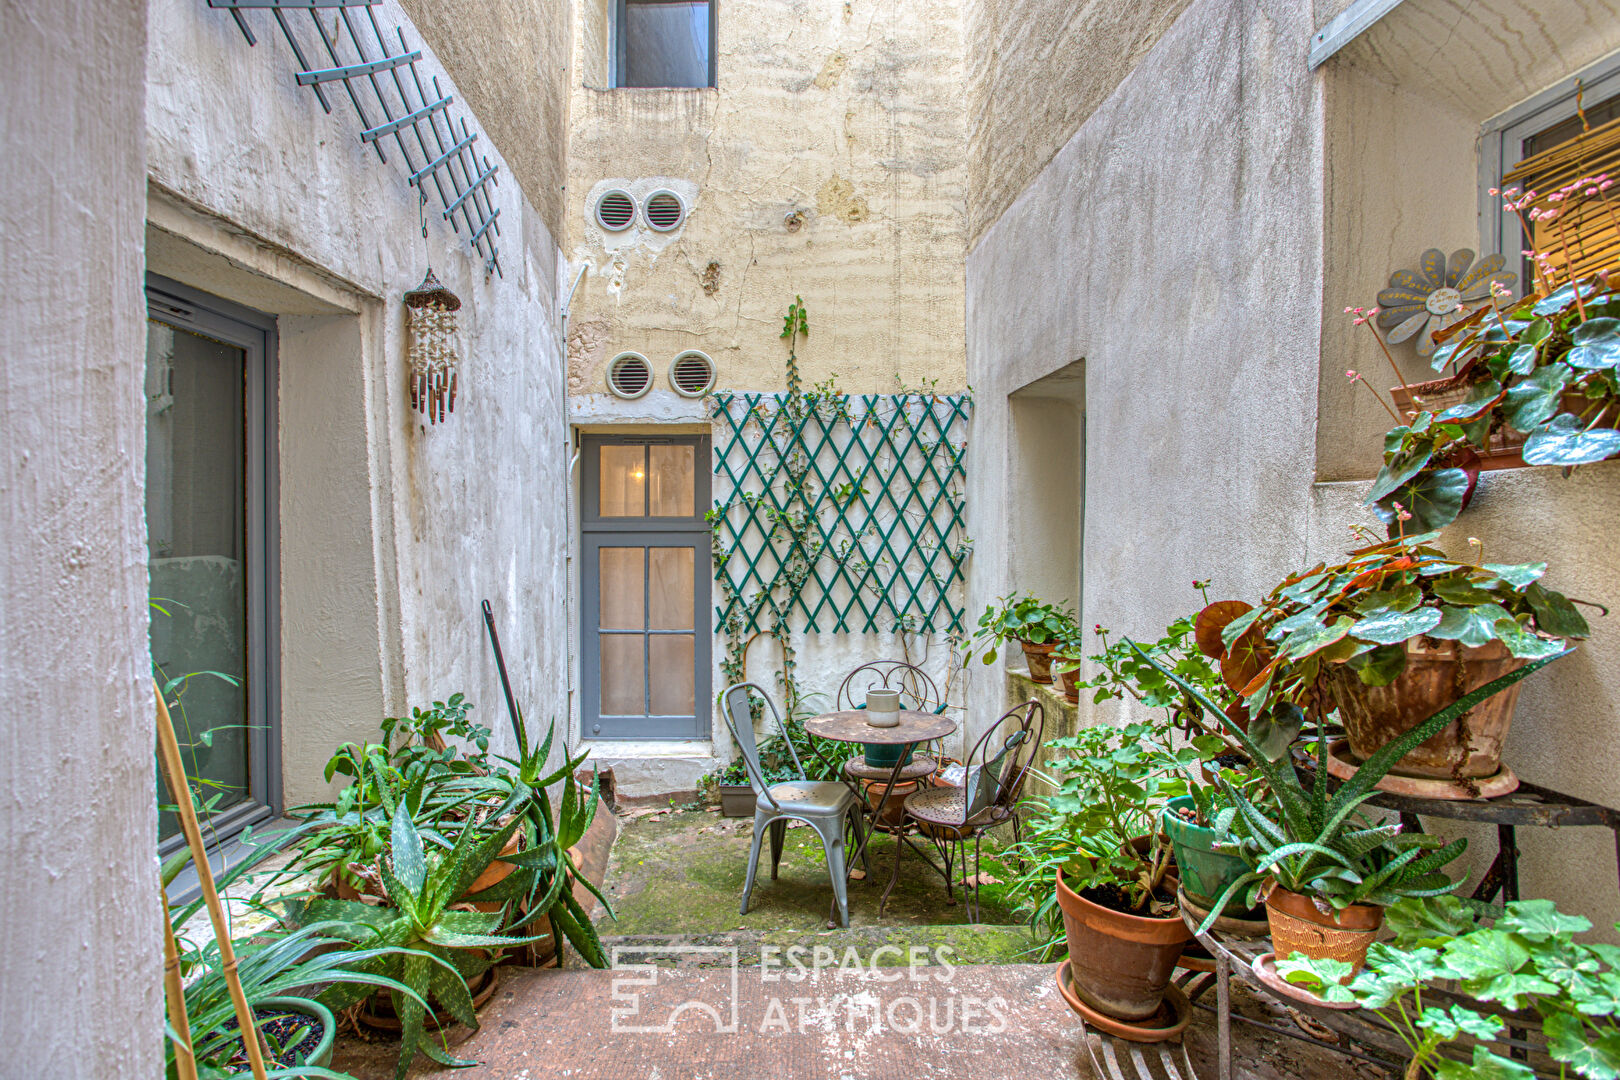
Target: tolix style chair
827	806
992	783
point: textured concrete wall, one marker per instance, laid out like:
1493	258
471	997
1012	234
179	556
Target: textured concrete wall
849	115
81	993
510	59
392	531
1036	70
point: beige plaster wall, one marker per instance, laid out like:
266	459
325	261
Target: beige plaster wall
847	116
510	60
1036	70
81	995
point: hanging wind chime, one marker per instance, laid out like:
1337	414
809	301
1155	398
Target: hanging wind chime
430	309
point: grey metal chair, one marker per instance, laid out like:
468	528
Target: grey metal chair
827	806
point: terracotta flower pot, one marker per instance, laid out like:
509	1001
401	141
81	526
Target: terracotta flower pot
1039	658
737	800
1120	963
1299	926
495	873
894	812
1437	674
1071	686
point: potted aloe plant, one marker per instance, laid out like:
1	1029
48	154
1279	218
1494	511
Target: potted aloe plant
1394	634
1036	625
1324	872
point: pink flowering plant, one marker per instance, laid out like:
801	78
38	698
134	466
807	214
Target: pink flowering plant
1546	366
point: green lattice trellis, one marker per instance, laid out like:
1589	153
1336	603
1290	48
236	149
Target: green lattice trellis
844	510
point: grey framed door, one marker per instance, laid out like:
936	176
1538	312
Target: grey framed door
645	586
211	544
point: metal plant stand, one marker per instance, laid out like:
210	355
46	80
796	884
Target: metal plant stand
1361	1033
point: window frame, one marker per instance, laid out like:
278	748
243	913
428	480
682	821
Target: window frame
1502	141
620	45
184	308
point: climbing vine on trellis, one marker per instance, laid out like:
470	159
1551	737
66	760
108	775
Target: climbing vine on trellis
845	512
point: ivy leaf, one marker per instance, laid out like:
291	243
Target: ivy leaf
1434	499
1321	977
1459	590
1431	921
1450	1023
1485	1066
1400	598
1522	643
1597	344
1402	468
1599	996
1517	575
1555	614
1539	920
1533	401
1566	442
1393	627
1380	667
1473	626
1568	1041
1485	954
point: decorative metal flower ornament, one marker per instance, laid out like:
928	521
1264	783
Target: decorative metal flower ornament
1437	294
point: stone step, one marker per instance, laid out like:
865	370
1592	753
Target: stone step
982	944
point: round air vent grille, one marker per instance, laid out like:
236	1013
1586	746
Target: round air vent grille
615	211
691	374
629	375
665	211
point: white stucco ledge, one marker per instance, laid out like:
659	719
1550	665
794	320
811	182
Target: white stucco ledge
656	407
651	769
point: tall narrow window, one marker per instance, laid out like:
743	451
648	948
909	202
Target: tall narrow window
209	546
646	574
665	43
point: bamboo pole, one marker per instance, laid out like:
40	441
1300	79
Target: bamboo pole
185	1058
174	775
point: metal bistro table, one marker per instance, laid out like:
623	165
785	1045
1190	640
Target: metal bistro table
852	726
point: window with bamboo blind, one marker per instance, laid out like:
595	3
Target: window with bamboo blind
1584	238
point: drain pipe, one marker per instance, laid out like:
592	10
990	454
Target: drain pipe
569	444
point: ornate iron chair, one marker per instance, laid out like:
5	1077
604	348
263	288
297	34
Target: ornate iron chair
827	806
918	692
992	781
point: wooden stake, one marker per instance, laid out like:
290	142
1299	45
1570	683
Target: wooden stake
185	1059
174	775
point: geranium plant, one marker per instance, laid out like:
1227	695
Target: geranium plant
1527	956
1022	618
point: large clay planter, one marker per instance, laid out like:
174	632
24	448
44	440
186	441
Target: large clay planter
1039	658
495	873
894	811
1299	926
1435	676
737	800
1205	873
1120	963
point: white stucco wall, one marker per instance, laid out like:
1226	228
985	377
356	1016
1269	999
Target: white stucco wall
393	531
81	992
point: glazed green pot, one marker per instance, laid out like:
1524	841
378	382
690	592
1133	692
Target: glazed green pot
884	755
1205	872
320	1014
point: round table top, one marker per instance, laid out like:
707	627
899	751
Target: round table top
850	726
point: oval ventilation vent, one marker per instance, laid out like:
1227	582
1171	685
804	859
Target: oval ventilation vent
629	375
665	210
691	374
615	211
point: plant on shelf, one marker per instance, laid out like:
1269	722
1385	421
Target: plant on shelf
1541	374
1036	625
1313	859
1490	972
1391	635
1097	835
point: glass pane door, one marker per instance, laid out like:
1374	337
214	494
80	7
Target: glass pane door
646	589
202	549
